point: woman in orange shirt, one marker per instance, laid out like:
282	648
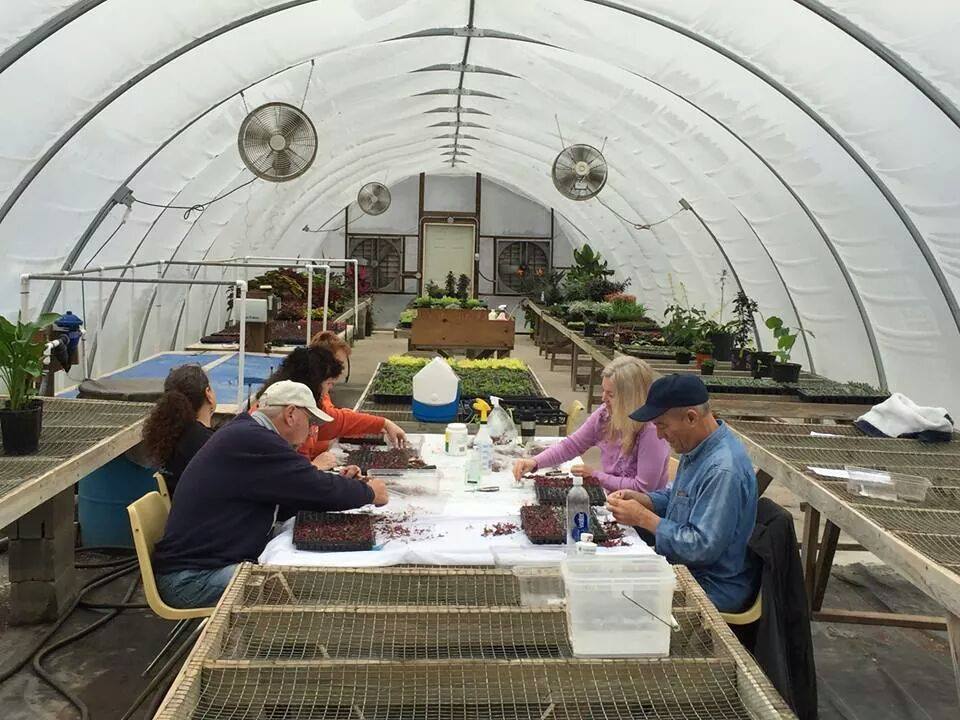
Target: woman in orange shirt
346	422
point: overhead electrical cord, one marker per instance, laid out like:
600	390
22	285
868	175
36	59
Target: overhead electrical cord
199	207
634	223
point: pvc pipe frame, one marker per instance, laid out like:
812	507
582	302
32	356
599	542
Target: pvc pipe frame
326	296
321	262
100	279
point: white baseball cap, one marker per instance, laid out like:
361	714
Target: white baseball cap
287	392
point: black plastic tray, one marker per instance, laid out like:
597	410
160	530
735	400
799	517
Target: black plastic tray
384	398
330	518
847	399
545	410
558	496
599	534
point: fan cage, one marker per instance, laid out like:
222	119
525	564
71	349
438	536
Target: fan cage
533	256
290	127
567	178
383	257
374	198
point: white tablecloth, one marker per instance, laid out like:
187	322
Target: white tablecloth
447	519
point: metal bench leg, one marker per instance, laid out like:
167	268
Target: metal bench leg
177	631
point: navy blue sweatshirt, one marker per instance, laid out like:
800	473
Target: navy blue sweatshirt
229	492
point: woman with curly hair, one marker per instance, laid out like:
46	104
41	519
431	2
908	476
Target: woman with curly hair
179	424
346	422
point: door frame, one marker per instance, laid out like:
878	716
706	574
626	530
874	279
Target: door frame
445	219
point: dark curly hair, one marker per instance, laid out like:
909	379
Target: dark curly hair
184	393
307	365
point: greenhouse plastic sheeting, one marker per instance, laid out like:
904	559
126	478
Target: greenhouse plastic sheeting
819	142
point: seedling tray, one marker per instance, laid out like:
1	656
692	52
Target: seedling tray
547	525
371	440
333	532
371	458
811	396
552	489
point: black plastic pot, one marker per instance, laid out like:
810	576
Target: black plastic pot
683	358
785	372
760	358
740	358
21	428
706	369
589	329
722	345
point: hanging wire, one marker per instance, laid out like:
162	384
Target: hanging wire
109	238
307	88
634	223
199	207
243	99
563	145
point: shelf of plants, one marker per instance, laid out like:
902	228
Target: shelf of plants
551	489
333	532
547	525
478	378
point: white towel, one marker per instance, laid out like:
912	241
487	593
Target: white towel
899	416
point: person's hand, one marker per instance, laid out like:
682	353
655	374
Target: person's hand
625	495
350	471
583	471
631	512
522	466
380	495
394	433
325	461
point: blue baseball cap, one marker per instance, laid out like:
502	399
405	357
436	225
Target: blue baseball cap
671	391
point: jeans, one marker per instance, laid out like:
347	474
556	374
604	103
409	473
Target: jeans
194	588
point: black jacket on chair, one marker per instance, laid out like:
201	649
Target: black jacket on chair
782	644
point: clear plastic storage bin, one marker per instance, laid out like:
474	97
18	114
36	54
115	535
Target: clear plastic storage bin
619	606
884	485
540	586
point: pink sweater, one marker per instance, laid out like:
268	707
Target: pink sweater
643	469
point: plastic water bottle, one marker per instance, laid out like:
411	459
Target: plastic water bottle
578	512
484	445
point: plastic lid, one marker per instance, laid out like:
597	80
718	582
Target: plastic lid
456	426
577	480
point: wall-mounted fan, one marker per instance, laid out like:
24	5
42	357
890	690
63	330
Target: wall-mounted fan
384	261
520	263
579	172
374	198
277	142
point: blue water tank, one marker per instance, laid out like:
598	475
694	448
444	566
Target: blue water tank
103	498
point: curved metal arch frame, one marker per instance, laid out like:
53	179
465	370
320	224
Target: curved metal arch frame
841	266
796	100
895	205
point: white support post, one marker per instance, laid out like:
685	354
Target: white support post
133	303
326	299
356	298
24	298
242	288
309	301
186	317
96	358
159	313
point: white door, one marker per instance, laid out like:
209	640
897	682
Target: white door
447	247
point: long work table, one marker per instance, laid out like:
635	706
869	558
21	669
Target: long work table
37	497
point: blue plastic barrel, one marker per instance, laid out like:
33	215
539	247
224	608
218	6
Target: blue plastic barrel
103	499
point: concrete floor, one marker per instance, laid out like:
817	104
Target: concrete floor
864	673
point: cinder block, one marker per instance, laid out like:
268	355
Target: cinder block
41	559
49	519
36	601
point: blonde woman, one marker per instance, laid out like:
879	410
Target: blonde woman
632	457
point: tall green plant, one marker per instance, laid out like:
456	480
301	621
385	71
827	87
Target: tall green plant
786	339
21	358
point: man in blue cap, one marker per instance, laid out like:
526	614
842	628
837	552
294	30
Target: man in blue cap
705	518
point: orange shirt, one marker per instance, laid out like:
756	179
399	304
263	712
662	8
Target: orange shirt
346	423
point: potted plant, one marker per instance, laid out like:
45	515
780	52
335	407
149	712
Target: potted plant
742	327
761	364
21	365
589	323
782	369
741	357
703	350
682	357
706	367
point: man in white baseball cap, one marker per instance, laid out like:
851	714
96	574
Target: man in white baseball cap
229	493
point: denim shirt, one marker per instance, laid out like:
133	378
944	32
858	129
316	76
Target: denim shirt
708	516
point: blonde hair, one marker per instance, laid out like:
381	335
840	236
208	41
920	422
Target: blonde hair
631	379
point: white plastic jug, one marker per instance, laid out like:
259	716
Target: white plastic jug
436	392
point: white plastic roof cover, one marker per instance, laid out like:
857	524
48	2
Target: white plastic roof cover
818	141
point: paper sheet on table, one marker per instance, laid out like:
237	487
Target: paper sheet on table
447	527
829	472
814	433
